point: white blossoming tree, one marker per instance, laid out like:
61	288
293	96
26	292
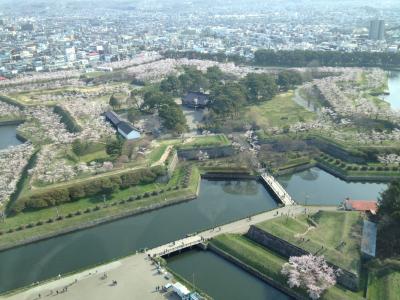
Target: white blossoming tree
311	273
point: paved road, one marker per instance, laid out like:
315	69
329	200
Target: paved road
136	278
242	226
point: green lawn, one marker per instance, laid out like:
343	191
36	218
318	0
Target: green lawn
384	284
44	214
157	153
278	112
267	262
198	141
113	208
333	228
101	154
204	141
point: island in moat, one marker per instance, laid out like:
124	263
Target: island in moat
203	180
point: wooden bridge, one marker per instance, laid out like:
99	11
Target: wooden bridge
278	190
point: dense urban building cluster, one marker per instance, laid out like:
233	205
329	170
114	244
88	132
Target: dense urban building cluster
47	36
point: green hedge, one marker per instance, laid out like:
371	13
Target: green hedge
56	196
70	123
11	102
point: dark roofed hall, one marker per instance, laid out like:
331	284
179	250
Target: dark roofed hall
125	127
112	117
128	131
195	99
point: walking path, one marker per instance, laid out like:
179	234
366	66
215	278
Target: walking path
136	276
240	226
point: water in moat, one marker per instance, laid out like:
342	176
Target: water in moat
219	202
317	187
8	136
221	279
394	89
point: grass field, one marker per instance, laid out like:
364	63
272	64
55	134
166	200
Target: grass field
278	112
384	285
113	208
384	279
267	262
81	204
198	141
333	229
204	141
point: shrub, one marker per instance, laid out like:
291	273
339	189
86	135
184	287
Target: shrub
10	230
39	223
364	168
395	168
78	213
138	197
50	220
30	225
55	196
59	218
87	210
379	168
70	215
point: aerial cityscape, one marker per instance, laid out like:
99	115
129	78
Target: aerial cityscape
226	150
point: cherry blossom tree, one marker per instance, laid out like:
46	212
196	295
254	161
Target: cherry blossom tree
311	273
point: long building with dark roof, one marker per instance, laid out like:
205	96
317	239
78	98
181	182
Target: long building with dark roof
124	128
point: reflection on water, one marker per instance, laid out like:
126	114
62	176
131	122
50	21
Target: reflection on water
221	279
8	136
214	206
394	88
243	187
315	186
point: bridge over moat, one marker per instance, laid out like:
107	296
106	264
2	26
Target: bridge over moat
239	226
277	189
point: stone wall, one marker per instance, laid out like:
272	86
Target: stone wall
335	151
213	152
347	279
232	175
172	163
295	169
255	273
373	178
